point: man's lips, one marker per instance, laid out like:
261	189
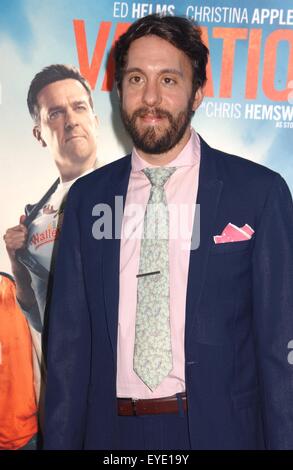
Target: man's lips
73	137
151	118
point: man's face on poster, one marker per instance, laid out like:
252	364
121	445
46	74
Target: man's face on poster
67	124
157	99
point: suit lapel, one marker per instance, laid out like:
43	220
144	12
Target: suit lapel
111	250
209	192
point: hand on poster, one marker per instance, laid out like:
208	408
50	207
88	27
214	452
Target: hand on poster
15	238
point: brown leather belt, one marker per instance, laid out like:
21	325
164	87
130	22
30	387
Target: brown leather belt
153	406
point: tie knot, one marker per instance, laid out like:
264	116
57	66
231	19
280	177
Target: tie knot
159	176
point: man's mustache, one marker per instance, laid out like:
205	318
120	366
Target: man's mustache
155	112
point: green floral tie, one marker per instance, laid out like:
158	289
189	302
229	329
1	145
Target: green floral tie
152	350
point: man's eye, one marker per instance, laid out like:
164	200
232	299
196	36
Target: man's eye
54	114
169	81
81	107
135	79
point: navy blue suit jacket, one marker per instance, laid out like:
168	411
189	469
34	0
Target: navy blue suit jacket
239	314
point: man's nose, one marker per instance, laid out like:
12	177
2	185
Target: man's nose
152	94
70	119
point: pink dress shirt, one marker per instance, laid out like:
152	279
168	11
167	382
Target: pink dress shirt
181	193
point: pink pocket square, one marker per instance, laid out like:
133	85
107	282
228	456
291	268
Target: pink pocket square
232	233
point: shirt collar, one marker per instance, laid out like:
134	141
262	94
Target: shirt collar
189	155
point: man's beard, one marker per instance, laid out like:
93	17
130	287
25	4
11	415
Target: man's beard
148	141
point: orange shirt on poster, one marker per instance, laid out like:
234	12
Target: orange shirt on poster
18	409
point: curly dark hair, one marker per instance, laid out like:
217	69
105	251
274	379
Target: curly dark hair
180	32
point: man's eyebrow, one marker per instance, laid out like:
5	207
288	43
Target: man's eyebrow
133	69
78	102
172	71
161	72
61	108
55	108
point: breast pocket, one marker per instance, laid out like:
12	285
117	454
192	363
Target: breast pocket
231	247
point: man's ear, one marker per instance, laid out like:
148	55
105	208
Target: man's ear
37	135
198	97
119	93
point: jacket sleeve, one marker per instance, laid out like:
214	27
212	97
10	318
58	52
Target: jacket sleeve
69	341
273	314
32	314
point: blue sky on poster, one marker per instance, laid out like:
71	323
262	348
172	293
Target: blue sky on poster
34	34
18	18
42	33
